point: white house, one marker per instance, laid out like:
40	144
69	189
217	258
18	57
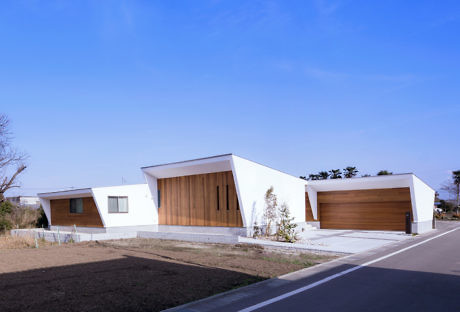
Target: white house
225	194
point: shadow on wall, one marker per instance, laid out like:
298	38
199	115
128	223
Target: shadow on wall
126	284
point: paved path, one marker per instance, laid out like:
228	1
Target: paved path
339	241
421	274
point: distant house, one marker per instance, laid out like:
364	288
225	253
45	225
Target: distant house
225	194
25	201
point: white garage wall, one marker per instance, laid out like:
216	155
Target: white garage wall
252	180
423	198
140	205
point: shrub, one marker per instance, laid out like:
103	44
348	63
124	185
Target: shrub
42	220
23	217
256	230
6	208
286	228
5	224
17	216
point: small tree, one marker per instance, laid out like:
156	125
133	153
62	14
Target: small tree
271	207
384	172
5	210
313	177
350	172
456	180
365	175
335	174
286	228
323	175
453	188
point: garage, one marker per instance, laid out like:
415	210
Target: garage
373	209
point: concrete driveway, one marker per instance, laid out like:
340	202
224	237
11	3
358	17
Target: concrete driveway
350	241
342	241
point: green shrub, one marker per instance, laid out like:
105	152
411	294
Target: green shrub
6	208
42	220
5	224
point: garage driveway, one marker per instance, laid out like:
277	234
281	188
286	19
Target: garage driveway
340	241
348	241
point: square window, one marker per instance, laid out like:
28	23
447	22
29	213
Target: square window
76	205
118	204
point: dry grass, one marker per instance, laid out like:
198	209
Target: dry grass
19	242
251	259
24	218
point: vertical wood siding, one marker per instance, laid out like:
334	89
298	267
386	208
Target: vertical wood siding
192	200
60	213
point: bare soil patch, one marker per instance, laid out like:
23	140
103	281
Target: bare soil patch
134	274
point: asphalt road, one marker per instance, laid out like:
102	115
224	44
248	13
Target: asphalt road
422	274
424	278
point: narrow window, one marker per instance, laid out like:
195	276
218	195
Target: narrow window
237	203
218	204
226	194
118	204
159	198
76	205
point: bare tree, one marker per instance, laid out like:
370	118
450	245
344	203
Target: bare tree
453	188
11	161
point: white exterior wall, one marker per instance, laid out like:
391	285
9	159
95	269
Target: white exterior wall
140	205
422	197
253	180
46	208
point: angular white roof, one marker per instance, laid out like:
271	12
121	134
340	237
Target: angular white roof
375	182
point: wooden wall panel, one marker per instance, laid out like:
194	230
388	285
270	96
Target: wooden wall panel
60	213
192	200
378	209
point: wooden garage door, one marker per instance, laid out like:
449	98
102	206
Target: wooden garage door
378	209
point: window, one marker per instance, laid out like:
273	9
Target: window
76	205
218	203
118	204
159	199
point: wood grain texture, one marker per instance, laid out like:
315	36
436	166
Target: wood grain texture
378	209
192	200
60	213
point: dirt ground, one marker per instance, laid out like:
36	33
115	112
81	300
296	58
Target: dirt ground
134	274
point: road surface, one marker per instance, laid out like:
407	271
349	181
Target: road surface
422	274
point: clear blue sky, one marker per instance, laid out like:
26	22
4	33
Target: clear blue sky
97	89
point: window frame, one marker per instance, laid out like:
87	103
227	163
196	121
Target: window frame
118	205
70	206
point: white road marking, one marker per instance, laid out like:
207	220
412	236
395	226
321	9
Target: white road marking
329	278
